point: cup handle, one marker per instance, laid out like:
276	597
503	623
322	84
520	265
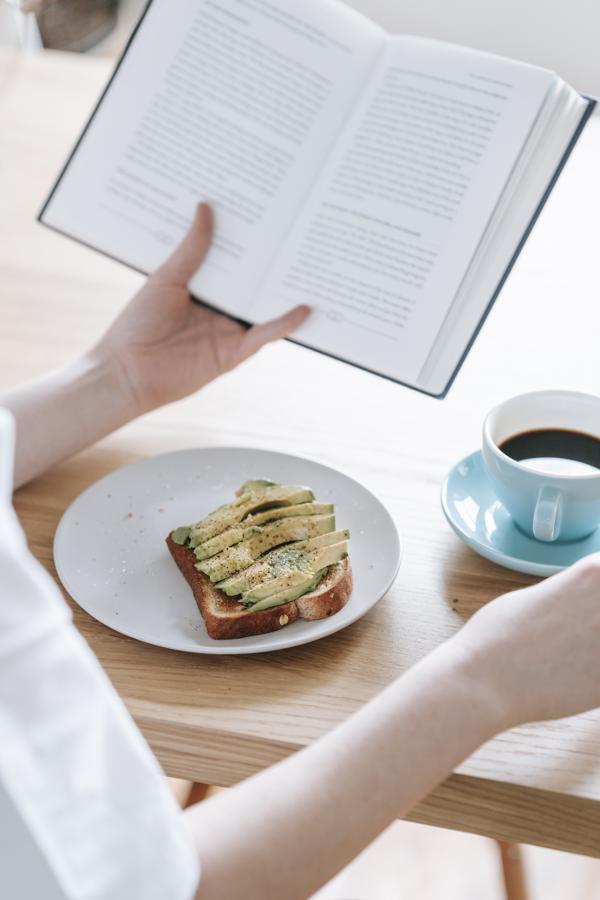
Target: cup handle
548	513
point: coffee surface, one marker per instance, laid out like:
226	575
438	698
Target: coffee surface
555	443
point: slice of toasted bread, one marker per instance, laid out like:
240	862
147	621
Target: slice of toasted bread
226	619
331	595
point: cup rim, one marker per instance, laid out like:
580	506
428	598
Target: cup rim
508	459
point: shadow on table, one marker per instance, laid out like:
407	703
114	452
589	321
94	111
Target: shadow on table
471	581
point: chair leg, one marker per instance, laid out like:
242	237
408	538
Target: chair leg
513	871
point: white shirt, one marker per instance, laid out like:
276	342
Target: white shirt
85	813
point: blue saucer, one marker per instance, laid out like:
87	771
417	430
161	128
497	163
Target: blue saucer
480	520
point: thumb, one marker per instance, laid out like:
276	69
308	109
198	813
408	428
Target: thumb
190	254
259	335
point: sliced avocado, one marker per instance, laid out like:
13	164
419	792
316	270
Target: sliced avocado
220	542
255	484
291	593
279	495
282	531
298	571
256	573
263	568
270	587
324	540
248	526
233	513
181	534
284	512
237	583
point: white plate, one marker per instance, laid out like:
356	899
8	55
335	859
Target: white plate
111	556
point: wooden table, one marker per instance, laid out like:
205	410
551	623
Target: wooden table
220	719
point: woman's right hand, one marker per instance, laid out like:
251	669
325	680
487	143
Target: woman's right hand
539	648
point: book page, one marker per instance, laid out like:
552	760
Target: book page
233	102
537	167
388	233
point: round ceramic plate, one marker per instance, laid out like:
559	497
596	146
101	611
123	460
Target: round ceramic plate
480	520
111	556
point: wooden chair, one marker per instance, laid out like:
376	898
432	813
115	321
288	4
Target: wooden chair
513	871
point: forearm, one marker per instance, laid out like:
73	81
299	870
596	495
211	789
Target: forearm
311	814
61	413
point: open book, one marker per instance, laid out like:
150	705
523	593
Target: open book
387	181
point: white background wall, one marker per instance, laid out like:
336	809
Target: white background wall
563	35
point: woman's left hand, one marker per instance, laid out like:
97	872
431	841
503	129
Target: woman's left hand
168	346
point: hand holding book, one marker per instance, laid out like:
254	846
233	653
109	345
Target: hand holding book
167	347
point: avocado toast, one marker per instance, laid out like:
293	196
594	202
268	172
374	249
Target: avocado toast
271	556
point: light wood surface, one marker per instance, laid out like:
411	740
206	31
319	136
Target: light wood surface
220	719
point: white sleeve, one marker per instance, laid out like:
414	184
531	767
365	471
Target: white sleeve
78	783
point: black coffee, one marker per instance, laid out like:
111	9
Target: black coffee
554	443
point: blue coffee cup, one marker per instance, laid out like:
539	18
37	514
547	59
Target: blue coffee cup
549	499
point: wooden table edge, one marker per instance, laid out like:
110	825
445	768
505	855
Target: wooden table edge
514	813
496	809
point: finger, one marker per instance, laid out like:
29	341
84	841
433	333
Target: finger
190	254
259	335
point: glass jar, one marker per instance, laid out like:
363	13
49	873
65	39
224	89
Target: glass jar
76	24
